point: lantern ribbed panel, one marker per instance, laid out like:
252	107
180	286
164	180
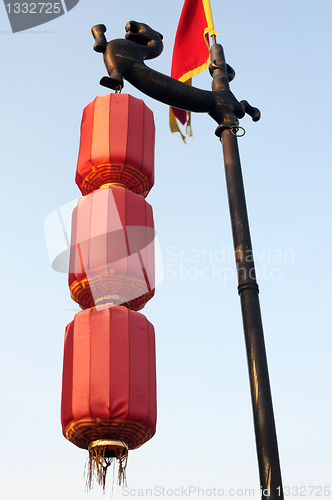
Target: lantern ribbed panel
117	144
112	249
109	378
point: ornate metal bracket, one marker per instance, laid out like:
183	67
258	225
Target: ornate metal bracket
124	60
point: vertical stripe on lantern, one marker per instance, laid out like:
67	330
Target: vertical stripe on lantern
136	233
116	235
84	155
100	134
117	247
135	133
83	233
148	255
151	421
135	222
67	377
119	196
81	364
118	128
148	259
149	216
73	266
139	370
120	368
98	230
149	142
100	363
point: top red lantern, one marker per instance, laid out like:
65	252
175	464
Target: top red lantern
117	144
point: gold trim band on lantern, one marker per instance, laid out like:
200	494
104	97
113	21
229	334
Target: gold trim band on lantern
132	178
107	442
80	290
84	431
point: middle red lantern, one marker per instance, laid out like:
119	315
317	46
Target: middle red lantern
112	249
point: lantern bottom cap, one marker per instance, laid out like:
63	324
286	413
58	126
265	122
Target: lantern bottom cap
110	300
112	446
102	453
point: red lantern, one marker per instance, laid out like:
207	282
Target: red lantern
117	144
112	249
109	384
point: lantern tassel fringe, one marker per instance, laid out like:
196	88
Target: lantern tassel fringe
98	465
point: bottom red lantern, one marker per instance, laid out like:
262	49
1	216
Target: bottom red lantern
109	385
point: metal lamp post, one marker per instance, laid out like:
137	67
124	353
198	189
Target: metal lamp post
265	432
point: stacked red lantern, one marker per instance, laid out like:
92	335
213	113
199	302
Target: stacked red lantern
112	249
117	144
109	377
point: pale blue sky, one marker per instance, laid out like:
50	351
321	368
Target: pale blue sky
281	52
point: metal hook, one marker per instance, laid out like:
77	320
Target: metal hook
234	131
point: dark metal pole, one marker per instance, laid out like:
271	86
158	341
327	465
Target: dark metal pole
265	431
266	438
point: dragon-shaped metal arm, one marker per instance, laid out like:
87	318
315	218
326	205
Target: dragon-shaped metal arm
124	59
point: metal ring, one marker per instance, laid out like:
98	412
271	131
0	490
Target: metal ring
234	131
107	442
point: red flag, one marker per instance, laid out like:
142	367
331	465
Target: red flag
191	53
